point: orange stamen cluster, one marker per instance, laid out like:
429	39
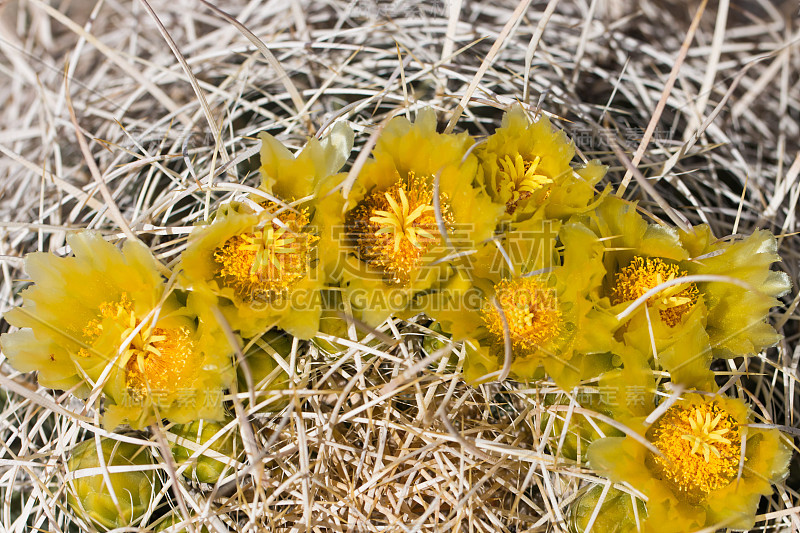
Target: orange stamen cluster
266	262
645	273
530	310
156	359
701	446
395	228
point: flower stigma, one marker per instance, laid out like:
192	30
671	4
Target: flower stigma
530	310
645	273
267	262
393	229
520	176
701	446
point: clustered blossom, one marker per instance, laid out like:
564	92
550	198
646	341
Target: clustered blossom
506	245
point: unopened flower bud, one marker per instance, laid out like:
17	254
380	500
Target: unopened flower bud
175	518
266	376
616	513
91	498
216	459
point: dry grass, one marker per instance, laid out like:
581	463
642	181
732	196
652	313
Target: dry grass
168	102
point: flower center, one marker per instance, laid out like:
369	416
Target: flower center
395	228
701	447
168	363
530	310
645	273
266	262
157	359
520	175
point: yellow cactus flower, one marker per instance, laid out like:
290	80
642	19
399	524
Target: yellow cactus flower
412	206
546	326
260	268
688	322
639	257
104	318
705	467
526	167
260	263
547	319
737	317
121	499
